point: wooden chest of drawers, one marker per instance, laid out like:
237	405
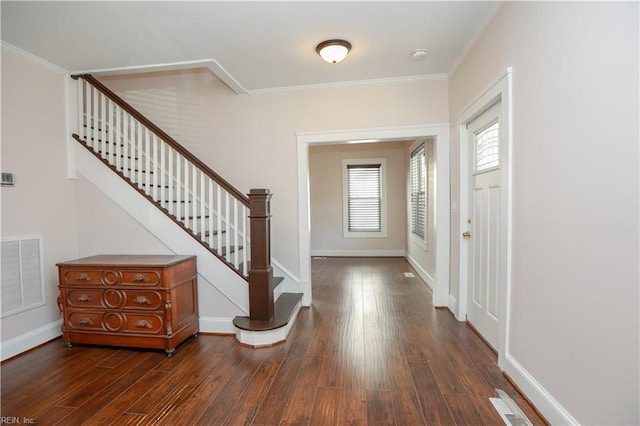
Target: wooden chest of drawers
138	301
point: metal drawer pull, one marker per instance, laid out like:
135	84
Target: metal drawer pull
139	278
142	300
83	277
86	321
143	324
84	298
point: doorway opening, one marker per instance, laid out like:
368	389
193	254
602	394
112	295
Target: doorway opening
440	135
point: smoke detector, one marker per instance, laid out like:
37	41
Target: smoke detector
419	54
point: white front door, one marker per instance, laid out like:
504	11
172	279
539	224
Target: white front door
484	224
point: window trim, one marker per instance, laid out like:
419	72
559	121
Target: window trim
345	201
420	149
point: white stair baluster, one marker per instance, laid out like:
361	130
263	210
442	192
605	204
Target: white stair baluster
81	115
218	218
170	181
245	245
147	165
210	207
161	171
186	193
203	199
154	167
103	123
194	199
94	119
236	253
227	226
178	190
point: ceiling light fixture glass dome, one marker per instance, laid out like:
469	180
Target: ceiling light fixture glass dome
333	51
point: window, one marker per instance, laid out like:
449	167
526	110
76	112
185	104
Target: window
418	192
487	145
364	198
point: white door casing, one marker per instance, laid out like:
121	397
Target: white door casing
483	224
497	92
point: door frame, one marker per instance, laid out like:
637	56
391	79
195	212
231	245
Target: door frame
440	133
499	91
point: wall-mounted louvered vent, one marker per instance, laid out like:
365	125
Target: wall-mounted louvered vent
22	285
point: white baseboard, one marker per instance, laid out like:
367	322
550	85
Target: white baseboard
30	340
453	307
538	395
426	277
217	325
358	253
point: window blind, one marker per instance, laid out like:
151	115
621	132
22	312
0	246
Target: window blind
364	197
418	191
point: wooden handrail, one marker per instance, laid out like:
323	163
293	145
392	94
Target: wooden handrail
164	136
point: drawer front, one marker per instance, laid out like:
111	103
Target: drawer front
141	278
143	300
116	322
144	324
112	276
80	277
84	298
85	321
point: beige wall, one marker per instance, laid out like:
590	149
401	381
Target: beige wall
250	140
42	202
325	182
574	301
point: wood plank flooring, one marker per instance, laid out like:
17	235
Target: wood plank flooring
371	351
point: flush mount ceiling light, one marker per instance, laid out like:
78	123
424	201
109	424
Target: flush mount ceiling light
333	51
419	54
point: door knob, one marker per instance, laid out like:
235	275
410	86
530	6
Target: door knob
466	234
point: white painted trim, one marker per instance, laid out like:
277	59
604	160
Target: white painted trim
426	277
353	83
269	337
440	132
217	325
453	305
30	340
499	91
359	253
31	57
211	64
550	408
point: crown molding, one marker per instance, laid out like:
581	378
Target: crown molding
31	57
355	83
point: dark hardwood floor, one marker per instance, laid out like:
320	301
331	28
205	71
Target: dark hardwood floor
371	351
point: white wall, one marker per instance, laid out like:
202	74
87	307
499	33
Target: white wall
42	202
422	253
326	199
574	297
250	140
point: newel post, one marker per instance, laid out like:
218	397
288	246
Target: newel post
260	291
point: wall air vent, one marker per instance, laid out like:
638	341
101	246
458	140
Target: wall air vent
7	179
22	281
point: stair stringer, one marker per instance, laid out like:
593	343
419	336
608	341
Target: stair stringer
212	269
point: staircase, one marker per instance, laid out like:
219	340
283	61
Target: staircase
232	227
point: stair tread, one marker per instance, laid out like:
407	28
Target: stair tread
283	311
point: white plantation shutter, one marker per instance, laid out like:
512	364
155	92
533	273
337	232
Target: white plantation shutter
418	191
364	197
